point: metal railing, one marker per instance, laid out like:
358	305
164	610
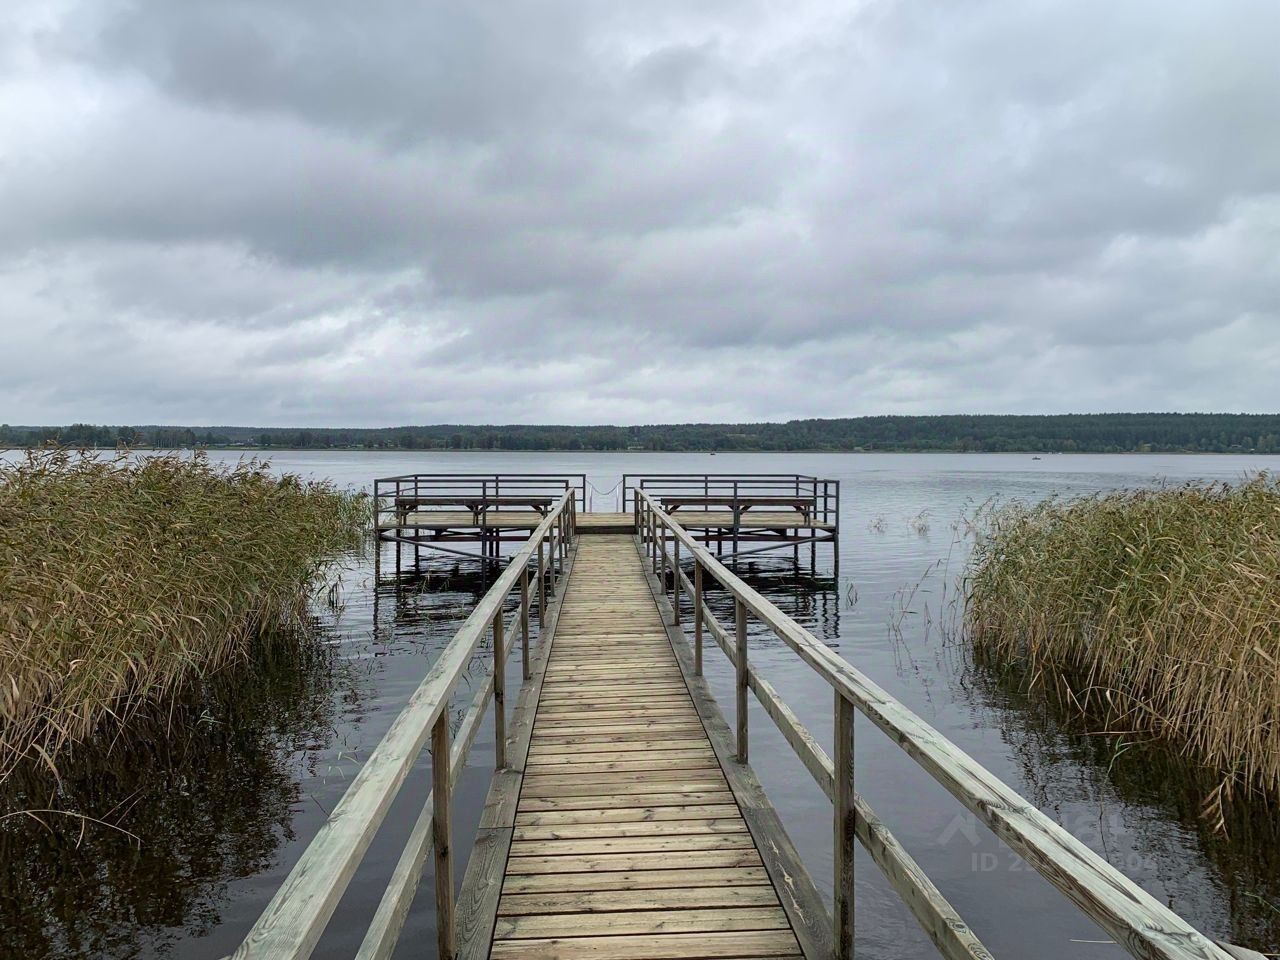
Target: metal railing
822	495
391	492
1141	924
292	923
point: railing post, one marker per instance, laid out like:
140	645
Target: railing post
441	835
740	623
662	550
499	691
551	552
524	621
542	584
844	839
551	557
675	575
697	616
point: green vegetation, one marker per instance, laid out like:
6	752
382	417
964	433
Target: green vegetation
123	579
1154	611
1083	433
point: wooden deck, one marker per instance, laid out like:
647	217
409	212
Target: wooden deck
629	843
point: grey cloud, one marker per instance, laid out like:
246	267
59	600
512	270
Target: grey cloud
282	210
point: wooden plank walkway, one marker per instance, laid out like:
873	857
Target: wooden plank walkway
628	842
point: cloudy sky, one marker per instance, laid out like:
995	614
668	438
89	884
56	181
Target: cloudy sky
398	211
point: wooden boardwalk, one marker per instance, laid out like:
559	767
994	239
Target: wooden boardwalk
629	843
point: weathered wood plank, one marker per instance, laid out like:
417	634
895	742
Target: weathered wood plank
684	859
650	828
685	920
625	815
481	888
593	846
765	943
607	801
541	904
656	879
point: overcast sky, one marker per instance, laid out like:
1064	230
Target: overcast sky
315	212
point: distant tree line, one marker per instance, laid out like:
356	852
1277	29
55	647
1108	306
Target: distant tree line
1071	433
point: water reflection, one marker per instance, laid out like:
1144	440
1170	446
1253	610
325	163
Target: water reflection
198	796
808	597
1151	806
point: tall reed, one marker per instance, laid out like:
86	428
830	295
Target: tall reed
1153	610
122	579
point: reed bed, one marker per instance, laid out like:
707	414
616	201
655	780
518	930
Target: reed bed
124	579
1154	611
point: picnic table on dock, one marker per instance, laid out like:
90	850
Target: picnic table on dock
738	504
479	505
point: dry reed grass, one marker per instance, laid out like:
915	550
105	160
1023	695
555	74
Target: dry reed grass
1153	610
123	579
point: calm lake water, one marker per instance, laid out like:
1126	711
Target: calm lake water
223	796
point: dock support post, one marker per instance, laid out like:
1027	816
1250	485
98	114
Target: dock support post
499	691
697	617
740	623
844	828
441	835
675	576
524	622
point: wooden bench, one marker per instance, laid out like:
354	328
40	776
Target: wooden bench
740	504
478	504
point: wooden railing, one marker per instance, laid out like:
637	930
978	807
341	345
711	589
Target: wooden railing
1141	924
294	920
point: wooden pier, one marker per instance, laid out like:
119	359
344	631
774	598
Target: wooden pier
627	839
623	820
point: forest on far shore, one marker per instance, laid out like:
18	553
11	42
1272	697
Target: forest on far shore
1068	433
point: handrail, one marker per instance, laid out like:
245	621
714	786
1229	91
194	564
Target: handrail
1138	922
293	922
